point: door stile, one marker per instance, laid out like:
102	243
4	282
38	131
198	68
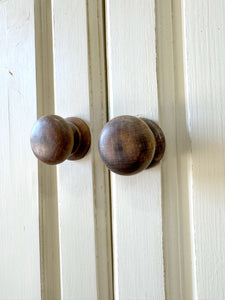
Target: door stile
136	200
98	117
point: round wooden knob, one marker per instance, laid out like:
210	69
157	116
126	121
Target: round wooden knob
54	139
128	145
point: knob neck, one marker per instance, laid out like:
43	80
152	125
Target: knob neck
82	138
160	141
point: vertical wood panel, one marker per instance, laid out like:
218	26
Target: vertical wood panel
167	106
76	210
48	201
83	200
205	72
98	118
136	200
19	228
177	234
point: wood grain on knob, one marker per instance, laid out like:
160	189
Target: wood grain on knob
54	139
128	145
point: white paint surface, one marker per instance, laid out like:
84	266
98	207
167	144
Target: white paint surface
187	247
136	200
76	210
19	228
177	217
205	73
83	187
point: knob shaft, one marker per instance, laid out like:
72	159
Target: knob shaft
54	139
128	145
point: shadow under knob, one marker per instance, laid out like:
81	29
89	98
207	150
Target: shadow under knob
54	139
128	145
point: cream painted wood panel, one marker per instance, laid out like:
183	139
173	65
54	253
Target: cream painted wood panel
204	39
136	200
83	186
47	178
177	219
165	61
19	228
98	117
76	209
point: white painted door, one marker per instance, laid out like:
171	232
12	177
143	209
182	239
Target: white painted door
55	222
76	231
166	61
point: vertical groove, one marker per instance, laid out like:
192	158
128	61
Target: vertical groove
184	160
98	118
191	262
175	169
107	119
48	202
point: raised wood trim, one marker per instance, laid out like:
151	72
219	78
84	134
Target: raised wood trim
98	99
48	198
177	236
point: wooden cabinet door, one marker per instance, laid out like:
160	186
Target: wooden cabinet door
55	221
77	231
166	62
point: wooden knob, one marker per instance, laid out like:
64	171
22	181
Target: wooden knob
54	139
128	145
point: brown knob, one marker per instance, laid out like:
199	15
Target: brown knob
54	139
128	145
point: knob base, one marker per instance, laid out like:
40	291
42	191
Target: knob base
82	138
160	141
